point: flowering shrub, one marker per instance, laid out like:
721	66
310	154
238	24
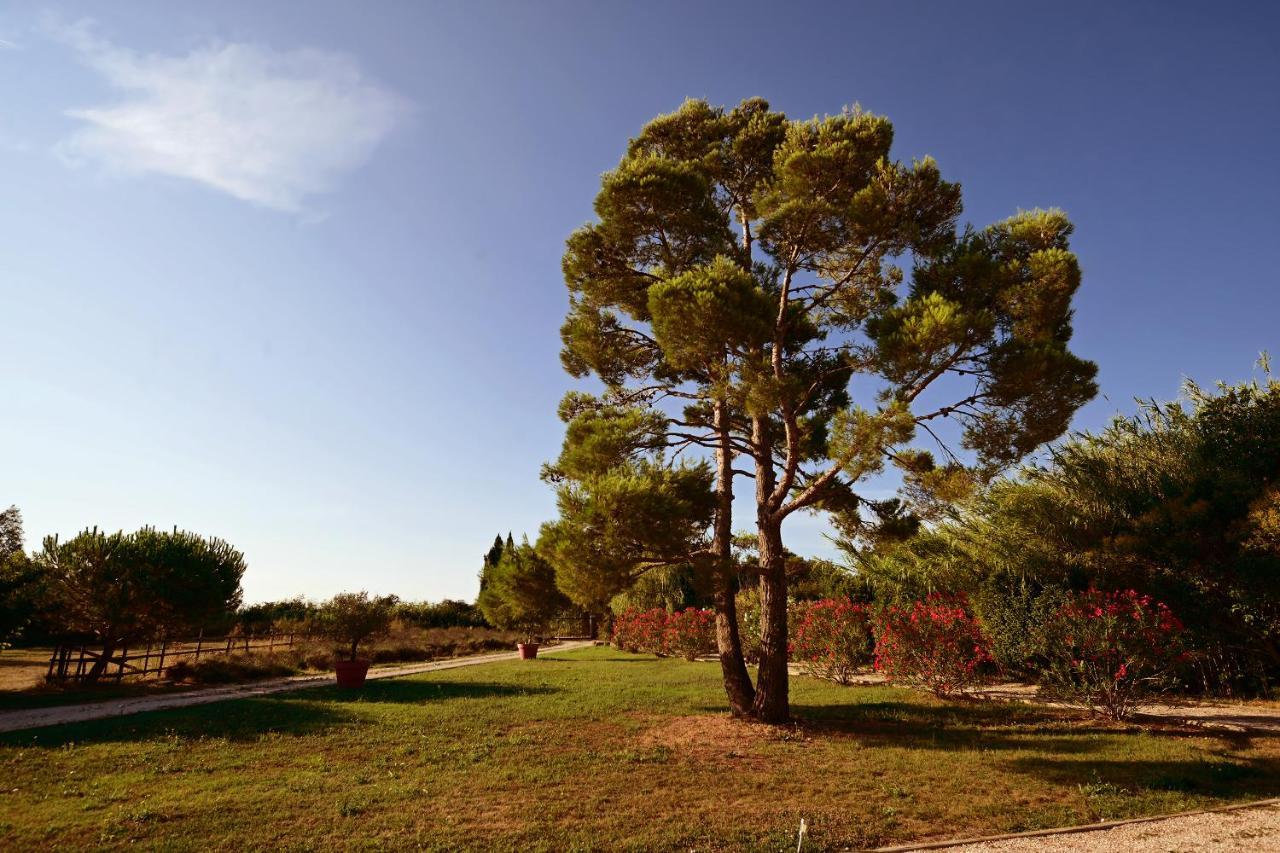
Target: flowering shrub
623	635
641	631
690	633
935	644
832	638
1111	651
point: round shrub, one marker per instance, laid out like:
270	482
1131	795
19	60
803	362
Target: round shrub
832	639
691	632
935	644
1111	651
642	631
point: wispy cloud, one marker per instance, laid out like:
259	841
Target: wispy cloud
274	128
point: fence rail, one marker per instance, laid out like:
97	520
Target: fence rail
75	662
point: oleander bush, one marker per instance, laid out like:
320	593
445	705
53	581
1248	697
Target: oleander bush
832	639
641	631
1112	651
691	633
935	644
687	633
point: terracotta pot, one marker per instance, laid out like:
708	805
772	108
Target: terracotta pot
351	673
528	651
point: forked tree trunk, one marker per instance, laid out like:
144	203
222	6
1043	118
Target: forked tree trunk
100	665
771	703
737	681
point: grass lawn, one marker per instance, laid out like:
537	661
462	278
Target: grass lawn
595	749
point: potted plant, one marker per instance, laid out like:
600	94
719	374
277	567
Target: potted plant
530	640
351	618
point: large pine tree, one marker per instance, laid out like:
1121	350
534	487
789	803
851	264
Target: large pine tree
785	292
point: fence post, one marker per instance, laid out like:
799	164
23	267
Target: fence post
164	645
124	653
229	638
53	657
199	643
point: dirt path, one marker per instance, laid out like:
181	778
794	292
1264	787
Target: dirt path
35	718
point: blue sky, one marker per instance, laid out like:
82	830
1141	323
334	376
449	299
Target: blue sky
289	273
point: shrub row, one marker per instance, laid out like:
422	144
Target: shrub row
687	633
1108	651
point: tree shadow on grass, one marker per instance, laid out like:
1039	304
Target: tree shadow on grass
238	720
975	725
414	691
1240	778
296	714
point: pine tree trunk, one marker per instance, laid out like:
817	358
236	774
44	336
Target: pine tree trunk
733	668
100	665
771	702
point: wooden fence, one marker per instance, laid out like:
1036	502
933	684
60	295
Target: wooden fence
73	663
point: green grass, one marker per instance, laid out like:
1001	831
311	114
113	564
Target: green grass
595	750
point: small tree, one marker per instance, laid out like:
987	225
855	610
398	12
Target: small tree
521	593
351	618
122	588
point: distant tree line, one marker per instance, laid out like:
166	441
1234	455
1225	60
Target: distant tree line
119	589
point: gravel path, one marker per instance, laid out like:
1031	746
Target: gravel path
1247	829
35	718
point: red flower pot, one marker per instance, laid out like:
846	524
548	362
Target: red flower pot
528	651
351	673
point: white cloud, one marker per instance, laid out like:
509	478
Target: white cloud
269	127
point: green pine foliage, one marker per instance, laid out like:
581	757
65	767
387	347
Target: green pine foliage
521	593
746	274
